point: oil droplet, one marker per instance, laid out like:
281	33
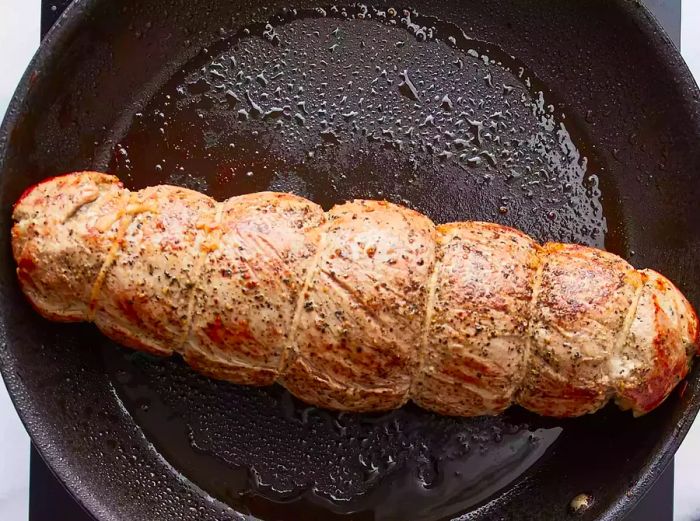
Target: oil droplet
446	103
261	79
581	503
232	97
255	109
300	119
407	88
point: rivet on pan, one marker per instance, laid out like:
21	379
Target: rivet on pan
581	504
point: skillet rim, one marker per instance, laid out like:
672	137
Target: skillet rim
70	21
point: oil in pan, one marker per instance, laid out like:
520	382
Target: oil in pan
334	104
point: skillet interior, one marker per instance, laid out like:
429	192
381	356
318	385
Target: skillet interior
643	157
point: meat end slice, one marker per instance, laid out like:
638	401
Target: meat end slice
248	290
64	230
476	339
659	348
359	329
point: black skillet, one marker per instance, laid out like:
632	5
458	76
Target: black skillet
606	155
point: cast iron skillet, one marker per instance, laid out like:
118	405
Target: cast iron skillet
574	121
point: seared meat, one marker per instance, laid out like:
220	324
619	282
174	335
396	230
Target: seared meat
360	308
476	339
357	337
65	228
142	298
582	299
651	359
252	274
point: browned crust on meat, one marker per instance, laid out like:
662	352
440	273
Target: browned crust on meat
310	385
581	307
64	229
253	275
357	309
229	371
145	286
476	339
361	324
658	347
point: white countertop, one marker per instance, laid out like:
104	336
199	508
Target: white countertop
687	481
19	37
